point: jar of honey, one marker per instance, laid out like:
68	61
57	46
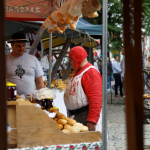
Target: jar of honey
49	103
11	91
42	102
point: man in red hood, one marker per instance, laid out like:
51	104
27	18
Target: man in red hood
83	95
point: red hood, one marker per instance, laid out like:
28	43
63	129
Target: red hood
78	53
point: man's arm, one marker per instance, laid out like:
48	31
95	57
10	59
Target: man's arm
39	83
92	86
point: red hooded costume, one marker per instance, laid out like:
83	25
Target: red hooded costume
91	83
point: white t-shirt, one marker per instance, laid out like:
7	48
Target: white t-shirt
23	71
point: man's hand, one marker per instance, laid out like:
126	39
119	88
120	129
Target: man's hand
123	78
91	125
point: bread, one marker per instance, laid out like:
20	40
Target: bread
72	26
76	19
60	126
67	126
80	125
56	119
93	15
63	28
53	110
68	21
60	31
74	129
71	121
65	131
61	21
60	116
84	129
62	121
50	31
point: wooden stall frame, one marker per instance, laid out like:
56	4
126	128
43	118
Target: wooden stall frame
35	128
3	115
133	75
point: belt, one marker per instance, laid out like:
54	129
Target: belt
116	73
77	111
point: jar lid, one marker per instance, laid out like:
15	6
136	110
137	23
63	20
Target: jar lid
10	84
50	98
55	107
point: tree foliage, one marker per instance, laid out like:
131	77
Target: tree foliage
115	21
146	17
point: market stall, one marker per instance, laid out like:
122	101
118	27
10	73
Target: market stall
32	127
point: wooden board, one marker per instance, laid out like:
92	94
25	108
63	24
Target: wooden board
12	103
11	144
11	115
24	103
12	134
35	128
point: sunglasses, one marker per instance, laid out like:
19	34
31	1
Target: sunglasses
69	58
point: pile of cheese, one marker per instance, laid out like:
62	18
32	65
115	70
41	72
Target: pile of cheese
68	125
59	84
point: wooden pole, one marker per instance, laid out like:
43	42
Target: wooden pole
3	116
66	72
60	58
133	75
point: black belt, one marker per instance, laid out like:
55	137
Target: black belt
116	73
77	111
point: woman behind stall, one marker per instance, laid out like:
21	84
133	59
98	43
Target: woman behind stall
83	95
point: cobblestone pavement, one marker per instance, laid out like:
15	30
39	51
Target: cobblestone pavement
116	125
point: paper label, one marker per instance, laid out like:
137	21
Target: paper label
15	92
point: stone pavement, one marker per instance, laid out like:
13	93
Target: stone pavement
116	125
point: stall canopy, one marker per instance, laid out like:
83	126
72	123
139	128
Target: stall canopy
82	33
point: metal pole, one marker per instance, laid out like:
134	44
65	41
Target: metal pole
50	58
104	75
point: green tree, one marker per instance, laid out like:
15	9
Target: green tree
146	17
114	23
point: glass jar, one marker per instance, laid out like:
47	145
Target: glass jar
11	91
42	103
49	103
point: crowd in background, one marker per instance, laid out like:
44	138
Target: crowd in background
115	72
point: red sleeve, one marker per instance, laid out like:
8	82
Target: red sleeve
92	85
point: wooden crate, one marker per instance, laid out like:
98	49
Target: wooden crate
35	128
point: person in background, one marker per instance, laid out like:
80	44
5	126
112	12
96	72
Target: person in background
83	95
99	63
123	69
109	74
21	68
147	63
95	64
117	75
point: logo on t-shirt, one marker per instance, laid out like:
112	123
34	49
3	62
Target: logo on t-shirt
19	71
